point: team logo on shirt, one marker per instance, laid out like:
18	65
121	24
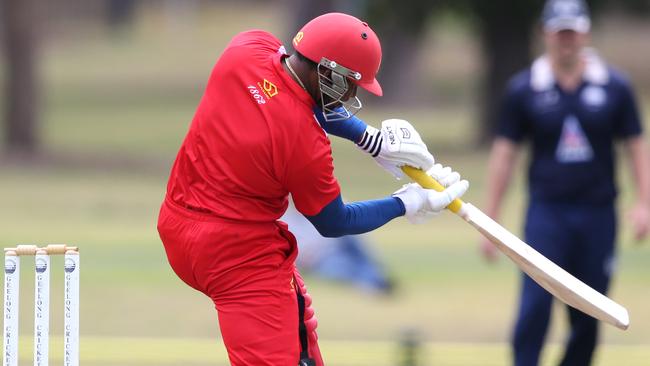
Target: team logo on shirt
298	38
574	147
255	93
269	89
593	96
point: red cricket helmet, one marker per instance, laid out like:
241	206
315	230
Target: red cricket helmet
347	41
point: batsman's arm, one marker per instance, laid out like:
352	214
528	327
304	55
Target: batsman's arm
501	162
338	218
503	157
640	156
640	165
352	129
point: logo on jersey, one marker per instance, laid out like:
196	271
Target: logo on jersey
269	89
574	147
255	93
298	38
594	96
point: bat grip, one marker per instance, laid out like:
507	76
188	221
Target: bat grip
426	181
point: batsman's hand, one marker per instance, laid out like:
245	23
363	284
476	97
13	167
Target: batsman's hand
395	145
421	204
639	216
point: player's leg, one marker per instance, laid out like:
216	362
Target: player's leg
532	322
368	273
173	230
248	271
273	326
260	327
257	300
592	260
544	232
348	260
310	352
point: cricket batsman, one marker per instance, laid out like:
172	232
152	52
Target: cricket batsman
260	133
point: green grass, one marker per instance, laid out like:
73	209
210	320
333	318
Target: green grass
116	111
101	351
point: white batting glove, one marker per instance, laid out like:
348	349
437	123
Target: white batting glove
443	175
395	145
422	204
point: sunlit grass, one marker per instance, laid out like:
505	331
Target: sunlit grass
142	351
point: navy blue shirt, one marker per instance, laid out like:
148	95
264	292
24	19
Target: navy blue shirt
571	134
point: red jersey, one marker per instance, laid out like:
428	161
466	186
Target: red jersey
253	140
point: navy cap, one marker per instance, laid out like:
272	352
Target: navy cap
566	15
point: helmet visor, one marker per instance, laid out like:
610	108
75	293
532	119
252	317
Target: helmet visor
334	83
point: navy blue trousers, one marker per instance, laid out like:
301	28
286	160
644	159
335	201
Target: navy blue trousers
581	240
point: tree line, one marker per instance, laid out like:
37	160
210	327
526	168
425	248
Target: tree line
504	29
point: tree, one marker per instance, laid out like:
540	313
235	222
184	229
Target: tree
505	28
401	27
21	85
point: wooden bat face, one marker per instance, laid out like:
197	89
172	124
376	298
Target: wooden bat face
547	274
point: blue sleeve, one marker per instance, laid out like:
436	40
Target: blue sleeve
512	123
628	117
338	219
351	129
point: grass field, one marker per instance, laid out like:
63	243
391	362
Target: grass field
115	112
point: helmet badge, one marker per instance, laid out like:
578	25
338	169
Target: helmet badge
298	38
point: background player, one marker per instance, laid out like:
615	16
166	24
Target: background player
571	107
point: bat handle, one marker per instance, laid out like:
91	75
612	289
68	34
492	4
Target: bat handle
423	179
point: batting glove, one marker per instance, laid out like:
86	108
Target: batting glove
395	145
422	204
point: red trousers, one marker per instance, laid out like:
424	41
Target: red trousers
248	271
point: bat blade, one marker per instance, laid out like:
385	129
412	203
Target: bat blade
547	274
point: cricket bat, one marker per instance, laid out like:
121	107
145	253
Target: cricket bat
547	274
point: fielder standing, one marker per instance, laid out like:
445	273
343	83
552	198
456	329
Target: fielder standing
254	139
571	107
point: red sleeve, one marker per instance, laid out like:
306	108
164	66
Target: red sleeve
310	173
